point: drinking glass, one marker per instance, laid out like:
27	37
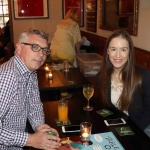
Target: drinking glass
63	111
85	128
66	65
88	91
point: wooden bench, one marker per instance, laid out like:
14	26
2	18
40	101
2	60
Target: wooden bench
142	57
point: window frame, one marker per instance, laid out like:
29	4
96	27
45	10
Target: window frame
4	13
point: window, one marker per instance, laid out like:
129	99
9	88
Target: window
4	12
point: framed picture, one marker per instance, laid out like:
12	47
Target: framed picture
76	4
119	14
91	11
29	9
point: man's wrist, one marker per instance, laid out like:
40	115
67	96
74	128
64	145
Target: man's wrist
29	140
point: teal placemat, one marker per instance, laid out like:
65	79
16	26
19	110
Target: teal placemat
104	141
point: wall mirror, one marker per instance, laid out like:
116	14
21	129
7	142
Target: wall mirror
122	14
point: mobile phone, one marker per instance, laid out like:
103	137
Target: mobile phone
117	121
71	128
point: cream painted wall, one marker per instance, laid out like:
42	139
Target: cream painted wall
55	15
47	25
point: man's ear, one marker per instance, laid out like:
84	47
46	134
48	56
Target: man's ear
18	48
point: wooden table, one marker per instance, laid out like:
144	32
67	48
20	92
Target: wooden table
61	80
51	89
138	141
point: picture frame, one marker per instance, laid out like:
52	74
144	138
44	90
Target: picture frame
76	4
124	15
28	9
91	11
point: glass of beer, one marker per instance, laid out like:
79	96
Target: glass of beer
88	91
63	111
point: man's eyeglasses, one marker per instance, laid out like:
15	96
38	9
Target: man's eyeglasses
37	48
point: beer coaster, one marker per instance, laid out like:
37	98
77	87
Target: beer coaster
67	96
122	131
51	133
62	124
104	112
71	82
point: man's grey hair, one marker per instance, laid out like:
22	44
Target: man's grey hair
33	31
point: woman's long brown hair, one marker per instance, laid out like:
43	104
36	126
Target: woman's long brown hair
130	76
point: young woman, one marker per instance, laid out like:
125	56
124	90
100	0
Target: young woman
124	85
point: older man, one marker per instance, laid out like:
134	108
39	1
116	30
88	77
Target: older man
19	95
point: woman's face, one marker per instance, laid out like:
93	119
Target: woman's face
118	51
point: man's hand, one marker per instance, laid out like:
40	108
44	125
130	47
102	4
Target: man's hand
46	126
41	140
42	126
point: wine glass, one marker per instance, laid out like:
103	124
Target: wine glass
88	91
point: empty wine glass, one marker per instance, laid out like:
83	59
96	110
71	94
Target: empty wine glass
88	91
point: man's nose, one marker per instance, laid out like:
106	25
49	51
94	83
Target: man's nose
40	52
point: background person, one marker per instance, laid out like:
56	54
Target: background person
4	39
19	95
124	85
67	38
7	31
1	32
